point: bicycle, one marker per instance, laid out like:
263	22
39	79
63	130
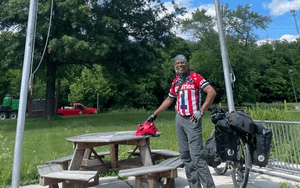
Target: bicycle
241	167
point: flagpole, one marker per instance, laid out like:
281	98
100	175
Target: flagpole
15	182
225	58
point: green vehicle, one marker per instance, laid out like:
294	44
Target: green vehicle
9	108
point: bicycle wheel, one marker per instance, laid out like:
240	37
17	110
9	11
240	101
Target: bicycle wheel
223	167
239	171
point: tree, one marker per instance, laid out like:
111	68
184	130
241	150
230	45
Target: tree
240	26
177	46
206	57
201	26
274	80
114	34
240	37
242	23
86	87
295	66
9	63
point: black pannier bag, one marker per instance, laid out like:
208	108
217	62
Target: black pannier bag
212	158
226	141
218	114
241	122
262	145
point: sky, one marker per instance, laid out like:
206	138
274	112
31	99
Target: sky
282	27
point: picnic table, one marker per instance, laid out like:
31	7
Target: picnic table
85	161
84	145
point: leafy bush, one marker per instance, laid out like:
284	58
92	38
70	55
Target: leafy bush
270	113
277	105
284	185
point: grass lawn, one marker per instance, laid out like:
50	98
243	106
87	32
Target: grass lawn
45	140
297	116
296	113
291	107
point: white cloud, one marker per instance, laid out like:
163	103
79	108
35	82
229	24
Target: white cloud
265	41
210	8
184	3
190	8
287	37
279	7
186	36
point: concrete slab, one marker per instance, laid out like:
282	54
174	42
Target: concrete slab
256	180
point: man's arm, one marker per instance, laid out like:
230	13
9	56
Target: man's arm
167	102
211	94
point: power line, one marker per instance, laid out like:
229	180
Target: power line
294	14
50	22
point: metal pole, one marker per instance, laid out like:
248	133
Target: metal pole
98	103
297	105
225	59
294	15
57	95
15	182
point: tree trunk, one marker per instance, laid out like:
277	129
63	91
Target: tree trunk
50	91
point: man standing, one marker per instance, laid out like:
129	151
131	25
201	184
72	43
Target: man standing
187	88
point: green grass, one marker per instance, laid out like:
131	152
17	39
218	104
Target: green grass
45	140
273	114
297	117
278	105
285	185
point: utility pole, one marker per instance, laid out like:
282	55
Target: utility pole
225	58
30	35
297	105
294	14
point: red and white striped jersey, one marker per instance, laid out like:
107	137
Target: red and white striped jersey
189	96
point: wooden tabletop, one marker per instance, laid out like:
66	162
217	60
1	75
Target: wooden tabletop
108	137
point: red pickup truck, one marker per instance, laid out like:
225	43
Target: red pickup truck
77	109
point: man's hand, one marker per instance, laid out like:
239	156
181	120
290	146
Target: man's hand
195	118
151	118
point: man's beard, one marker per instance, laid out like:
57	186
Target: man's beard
181	71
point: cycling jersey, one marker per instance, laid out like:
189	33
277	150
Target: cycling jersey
189	96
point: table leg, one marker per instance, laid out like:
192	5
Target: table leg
65	167
145	153
138	182
153	181
87	153
114	154
76	159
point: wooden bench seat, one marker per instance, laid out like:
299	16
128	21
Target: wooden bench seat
120	165
159	153
166	169
52	174
66	160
